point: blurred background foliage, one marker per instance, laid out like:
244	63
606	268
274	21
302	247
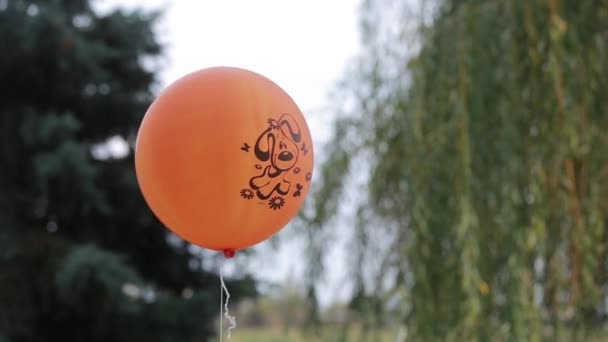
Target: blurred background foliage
81	256
481	125
469	147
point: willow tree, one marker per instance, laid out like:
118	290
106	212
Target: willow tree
487	165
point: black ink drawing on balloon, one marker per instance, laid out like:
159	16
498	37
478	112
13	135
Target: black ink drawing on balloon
298	191
247	194
276	202
277	151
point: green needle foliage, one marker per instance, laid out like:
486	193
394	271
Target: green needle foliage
82	258
482	124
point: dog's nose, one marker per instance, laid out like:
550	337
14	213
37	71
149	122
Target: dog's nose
285	156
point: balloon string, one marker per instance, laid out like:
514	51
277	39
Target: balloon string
224	306
221	307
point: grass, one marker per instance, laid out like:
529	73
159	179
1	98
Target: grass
327	334
352	334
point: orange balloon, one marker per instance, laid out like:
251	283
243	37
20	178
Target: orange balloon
224	158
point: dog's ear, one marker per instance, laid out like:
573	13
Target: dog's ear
265	145
290	128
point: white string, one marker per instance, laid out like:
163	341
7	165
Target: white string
231	319
221	307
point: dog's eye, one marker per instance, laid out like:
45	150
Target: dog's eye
285	156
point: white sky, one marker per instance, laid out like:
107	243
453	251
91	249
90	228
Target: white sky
301	45
304	46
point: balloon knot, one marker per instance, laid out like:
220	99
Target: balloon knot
229	253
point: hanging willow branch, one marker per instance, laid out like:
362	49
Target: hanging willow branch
488	152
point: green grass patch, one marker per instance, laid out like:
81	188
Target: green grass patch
326	334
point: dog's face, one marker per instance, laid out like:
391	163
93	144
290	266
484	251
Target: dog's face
279	143
285	153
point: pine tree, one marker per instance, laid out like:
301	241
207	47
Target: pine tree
82	258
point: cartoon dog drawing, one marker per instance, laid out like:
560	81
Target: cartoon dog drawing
278	149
